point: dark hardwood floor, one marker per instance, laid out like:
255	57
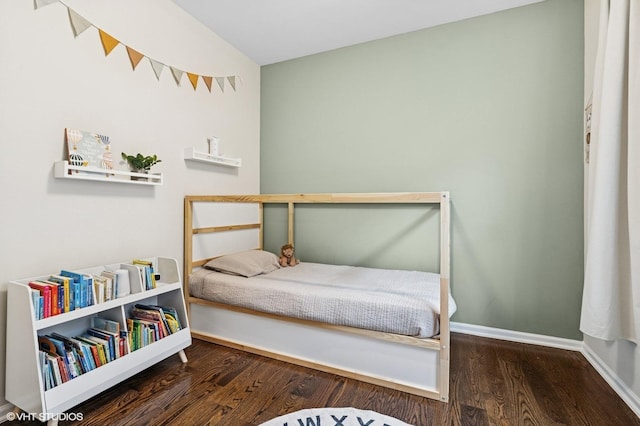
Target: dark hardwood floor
492	383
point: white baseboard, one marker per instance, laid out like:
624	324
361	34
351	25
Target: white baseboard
4	409
517	336
618	386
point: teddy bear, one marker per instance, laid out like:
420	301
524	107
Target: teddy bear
286	256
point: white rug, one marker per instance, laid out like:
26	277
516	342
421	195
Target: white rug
334	417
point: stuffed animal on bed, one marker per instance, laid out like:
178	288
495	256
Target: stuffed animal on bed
286	256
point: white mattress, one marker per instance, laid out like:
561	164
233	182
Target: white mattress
394	301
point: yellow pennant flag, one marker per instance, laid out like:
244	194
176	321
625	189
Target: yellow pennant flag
108	42
193	78
208	81
134	56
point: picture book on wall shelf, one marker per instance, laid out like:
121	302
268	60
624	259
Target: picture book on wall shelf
87	149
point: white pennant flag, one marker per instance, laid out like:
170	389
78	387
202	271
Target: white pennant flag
157	67
177	74
78	23
220	81
43	3
232	81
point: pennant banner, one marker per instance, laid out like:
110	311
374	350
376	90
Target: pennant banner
208	81
220	81
134	56
157	67
232	81
177	74
109	43
79	25
193	78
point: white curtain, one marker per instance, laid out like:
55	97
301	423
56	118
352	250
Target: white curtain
611	298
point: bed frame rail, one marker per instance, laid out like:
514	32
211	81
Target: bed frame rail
225	313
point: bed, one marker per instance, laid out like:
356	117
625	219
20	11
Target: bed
383	326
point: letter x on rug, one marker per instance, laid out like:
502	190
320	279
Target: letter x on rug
334	417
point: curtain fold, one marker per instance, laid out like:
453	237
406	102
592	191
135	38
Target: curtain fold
611	297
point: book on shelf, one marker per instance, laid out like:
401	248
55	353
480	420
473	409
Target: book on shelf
102	347
172	318
68	291
141	333
93	349
45	292
104	287
167	314
140	312
113	329
52	361
83	288
147	273
104	338
57	296
105	324
63	358
111	289
38	303
149	323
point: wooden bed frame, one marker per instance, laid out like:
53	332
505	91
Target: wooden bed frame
416	366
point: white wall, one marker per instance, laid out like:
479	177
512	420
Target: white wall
620	358
50	80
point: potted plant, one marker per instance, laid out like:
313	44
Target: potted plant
140	163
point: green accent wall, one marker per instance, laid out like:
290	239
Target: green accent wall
490	109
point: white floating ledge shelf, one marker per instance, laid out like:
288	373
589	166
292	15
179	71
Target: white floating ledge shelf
193	155
63	170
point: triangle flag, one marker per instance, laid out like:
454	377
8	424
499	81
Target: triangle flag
43	3
157	67
220	81
193	78
134	56
208	81
78	23
108	42
177	74
232	81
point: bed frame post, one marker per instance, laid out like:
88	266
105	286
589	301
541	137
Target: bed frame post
290	221
188	250
444	296
261	219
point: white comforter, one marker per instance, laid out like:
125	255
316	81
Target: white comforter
394	301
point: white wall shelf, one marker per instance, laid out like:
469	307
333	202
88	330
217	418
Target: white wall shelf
193	155
63	170
25	387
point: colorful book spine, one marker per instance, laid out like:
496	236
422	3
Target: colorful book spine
45	292
65	281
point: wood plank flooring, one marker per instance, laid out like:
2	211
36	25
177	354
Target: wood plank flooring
492	383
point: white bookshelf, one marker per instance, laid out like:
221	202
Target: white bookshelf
64	170
25	387
203	157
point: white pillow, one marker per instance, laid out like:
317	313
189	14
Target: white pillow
245	263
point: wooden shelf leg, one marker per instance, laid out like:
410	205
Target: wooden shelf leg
183	356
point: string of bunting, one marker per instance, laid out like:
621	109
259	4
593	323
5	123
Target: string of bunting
79	24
